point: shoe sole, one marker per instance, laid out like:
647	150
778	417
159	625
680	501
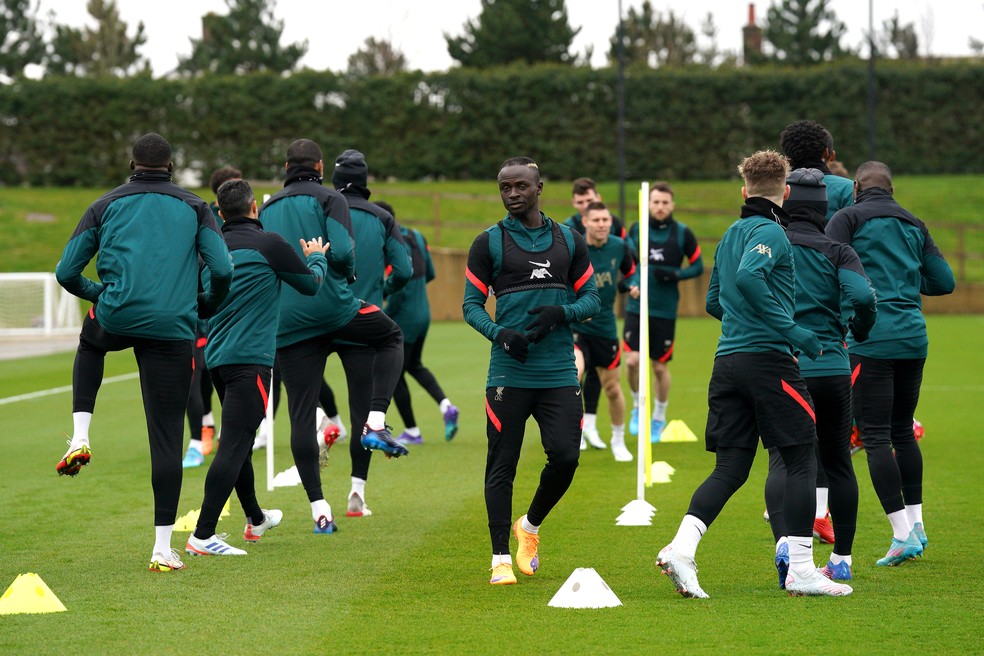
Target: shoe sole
160	568
358	513
391	450
667	569
72	467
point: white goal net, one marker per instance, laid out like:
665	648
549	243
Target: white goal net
34	304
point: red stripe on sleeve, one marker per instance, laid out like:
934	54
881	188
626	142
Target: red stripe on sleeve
693	258
473	279
263	392
92	312
583	279
388	271
632	270
788	389
495	420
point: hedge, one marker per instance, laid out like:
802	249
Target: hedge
681	124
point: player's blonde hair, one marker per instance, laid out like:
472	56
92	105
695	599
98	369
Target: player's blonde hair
764	174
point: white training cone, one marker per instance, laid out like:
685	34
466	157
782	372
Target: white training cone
636	513
661	471
585	589
287	478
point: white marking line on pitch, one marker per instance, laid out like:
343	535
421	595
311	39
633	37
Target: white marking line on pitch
65	388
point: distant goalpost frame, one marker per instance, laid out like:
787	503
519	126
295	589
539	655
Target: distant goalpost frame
34	304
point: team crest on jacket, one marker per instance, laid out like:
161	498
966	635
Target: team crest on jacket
762	249
541	273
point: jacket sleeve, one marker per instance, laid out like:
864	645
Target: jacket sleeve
581	275
425	250
214	252
305	277
79	250
857	289
762	251
478	278
630	272
398	257
937	276
692	250
338	228
712	303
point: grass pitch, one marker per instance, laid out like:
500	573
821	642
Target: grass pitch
413	578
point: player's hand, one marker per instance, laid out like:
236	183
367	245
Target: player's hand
634	291
514	343
314	246
547	317
857	332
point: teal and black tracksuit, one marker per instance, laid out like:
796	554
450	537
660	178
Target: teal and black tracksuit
614	267
149	235
304	209
372	370
240	354
410	309
902	261
826	272
528	268
756	388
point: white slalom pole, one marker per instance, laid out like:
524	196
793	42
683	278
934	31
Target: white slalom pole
269	447
644	424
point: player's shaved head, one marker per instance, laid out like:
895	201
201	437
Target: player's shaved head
873	174
303	152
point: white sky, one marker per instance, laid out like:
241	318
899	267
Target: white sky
335	29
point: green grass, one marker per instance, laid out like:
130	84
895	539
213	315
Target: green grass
413	577
451	213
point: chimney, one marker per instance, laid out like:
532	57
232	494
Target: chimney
752	38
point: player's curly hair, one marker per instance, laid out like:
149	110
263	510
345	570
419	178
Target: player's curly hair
528	162
764	174
803	142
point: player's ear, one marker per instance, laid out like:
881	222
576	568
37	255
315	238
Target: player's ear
744	193
785	194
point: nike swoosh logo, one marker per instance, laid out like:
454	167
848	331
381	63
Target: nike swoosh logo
545	265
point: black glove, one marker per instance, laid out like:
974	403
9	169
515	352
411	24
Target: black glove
547	318
859	334
514	343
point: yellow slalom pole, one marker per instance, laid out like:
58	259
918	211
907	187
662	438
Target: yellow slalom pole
645	455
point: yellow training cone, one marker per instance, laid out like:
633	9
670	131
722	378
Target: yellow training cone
187	522
29	594
677	431
225	510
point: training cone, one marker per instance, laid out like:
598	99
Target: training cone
661	471
225	510
638	512
187	522
677	431
585	589
29	594
287	478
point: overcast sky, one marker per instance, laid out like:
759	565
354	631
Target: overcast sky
335	29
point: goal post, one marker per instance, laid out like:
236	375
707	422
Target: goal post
35	304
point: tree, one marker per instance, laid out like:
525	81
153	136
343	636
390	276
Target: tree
804	32
900	39
376	58
21	42
245	40
508	31
103	51
651	39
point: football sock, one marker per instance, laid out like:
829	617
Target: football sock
359	487
590	421
444	405
413	431
822	493
320	508
337	420
529	528
914	513
208	420
837	559
376	420
900	524
688	536
618	432
80	431
162	539
801	555
195	444
498	559
659	410
635	399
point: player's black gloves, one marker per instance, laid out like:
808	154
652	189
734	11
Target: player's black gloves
859	333
547	318
514	343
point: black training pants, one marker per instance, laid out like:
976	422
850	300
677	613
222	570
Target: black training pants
832	401
243	390
557	411
886	393
412	352
165	368
303	368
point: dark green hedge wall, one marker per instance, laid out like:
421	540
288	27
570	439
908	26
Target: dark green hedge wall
691	123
